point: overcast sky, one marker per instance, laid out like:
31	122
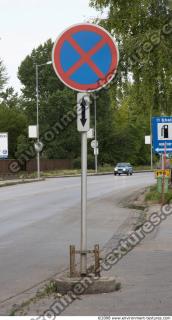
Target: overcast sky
25	24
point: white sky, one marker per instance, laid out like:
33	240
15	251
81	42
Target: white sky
25	24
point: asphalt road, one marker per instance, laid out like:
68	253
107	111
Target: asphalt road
38	222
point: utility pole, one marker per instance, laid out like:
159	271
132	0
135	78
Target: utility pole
37	114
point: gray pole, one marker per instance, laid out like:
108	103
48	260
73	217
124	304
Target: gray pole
151	154
84	203
151	138
95	128
37	113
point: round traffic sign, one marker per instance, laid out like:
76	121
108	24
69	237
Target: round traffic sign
94	144
38	146
85	57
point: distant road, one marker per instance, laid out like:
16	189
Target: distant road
38	222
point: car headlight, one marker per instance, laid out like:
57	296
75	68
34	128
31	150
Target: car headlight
116	169
124	169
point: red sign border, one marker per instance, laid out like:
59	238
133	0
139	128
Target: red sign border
57	64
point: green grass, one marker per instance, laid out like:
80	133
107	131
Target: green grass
62	172
105	168
50	288
65	172
154	196
142	167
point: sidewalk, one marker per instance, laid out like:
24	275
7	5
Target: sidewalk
145	275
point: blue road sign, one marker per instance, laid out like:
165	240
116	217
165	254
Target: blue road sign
162	134
85	57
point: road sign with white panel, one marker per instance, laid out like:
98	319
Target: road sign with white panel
90	134
83	112
32	130
147	139
96	151
162	134
3	145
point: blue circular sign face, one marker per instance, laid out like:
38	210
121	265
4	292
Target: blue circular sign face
85	57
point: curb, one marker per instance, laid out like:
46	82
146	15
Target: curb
87	285
94	174
13	183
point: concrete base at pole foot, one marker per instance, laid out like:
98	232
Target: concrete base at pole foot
87	285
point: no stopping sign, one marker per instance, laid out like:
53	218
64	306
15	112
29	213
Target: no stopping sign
85	57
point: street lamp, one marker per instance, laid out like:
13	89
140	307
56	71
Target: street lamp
37	113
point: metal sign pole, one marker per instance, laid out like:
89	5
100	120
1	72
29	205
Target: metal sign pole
95	128
151	155
84	203
151	151
83	126
37	113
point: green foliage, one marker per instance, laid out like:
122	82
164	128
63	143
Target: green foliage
154	196
9	98
145	48
48	81
90	162
14	122
77	163
12	118
3	76
143	85
23	144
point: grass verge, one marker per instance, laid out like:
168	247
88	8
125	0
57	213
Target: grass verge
154	196
73	172
49	289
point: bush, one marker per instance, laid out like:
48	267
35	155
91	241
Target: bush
90	162
77	163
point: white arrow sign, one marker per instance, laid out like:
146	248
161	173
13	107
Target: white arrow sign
83	112
160	149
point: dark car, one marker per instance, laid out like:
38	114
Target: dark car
123	168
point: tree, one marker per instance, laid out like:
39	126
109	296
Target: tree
10	98
144	34
14	122
3	76
48	81
143	86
